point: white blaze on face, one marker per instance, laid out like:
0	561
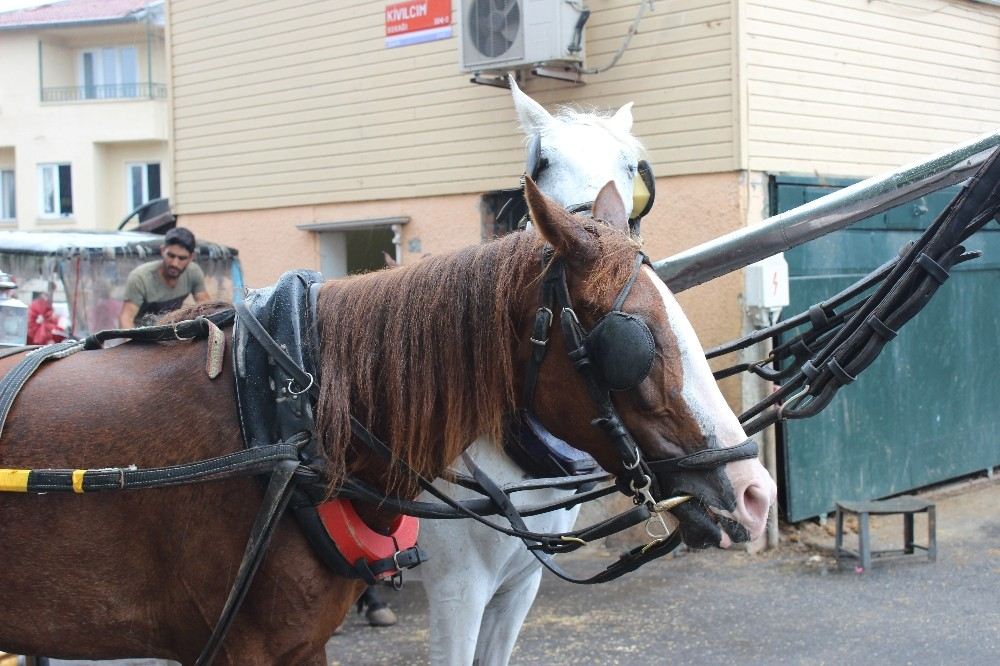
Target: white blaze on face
701	394
754	489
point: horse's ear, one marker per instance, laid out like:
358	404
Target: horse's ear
610	209
623	117
558	227
390	261
531	114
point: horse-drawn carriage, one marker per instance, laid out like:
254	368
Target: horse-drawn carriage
83	273
599	352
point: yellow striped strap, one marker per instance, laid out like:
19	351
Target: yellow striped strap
78	480
14	480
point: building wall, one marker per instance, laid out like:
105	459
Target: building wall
111	180
689	210
857	87
58	132
291	105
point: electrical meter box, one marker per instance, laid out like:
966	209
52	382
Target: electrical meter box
767	284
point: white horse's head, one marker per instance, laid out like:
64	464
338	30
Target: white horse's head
578	152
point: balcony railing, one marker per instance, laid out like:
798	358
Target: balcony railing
105	92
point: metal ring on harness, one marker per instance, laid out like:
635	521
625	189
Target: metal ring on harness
308	386
638	459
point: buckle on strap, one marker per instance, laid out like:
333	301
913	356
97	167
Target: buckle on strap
543	323
408	558
291	391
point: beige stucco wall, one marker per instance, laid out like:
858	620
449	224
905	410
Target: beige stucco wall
270	242
74	132
688	210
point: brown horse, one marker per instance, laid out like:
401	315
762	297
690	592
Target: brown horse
431	356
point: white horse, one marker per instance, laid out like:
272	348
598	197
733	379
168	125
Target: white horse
480	584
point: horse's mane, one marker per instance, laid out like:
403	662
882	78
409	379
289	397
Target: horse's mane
425	352
573	116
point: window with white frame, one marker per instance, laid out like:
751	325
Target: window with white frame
8	209
142	183
56	190
110	72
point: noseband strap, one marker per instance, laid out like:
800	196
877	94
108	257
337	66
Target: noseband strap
705	460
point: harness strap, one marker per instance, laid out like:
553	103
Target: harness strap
557	542
305	380
627	562
279	490
705	459
241	463
17	377
838	347
356	489
189	329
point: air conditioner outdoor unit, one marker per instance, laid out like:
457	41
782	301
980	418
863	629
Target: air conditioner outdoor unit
510	34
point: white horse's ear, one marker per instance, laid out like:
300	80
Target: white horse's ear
610	209
531	114
623	117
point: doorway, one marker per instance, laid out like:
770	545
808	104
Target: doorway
356	250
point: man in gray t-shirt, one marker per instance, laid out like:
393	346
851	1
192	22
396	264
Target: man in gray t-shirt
157	287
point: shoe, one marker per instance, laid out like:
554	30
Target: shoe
380	616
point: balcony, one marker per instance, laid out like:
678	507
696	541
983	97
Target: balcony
114	91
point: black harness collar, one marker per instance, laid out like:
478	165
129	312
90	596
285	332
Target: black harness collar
277	400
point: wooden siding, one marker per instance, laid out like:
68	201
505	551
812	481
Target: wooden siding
283	104
856	87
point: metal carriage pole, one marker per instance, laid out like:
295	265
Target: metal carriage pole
817	218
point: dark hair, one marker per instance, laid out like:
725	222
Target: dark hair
180	236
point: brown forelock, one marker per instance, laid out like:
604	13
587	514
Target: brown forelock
422	354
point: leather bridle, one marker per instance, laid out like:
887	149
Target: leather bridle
673	480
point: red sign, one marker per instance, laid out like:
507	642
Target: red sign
433	16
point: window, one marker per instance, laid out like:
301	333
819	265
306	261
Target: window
142	183
56	190
501	212
108	73
8	211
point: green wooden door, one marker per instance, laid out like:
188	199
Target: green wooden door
927	410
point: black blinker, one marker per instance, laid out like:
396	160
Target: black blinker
622	348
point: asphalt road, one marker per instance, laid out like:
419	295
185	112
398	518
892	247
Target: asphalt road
789	607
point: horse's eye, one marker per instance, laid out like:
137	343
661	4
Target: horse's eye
632	169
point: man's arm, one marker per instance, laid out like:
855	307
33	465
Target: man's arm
198	289
135	296
127	317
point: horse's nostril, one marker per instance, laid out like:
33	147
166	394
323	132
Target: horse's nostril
756	503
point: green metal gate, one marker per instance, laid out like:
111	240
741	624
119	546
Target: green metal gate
927	410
